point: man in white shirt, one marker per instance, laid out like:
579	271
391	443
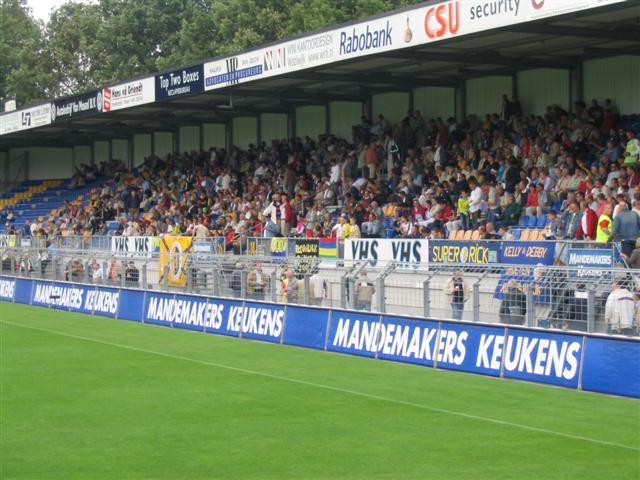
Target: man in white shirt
318	287
620	310
475	201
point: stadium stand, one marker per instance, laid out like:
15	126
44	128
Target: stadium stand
524	177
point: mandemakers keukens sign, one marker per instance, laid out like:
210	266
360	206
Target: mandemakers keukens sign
77	105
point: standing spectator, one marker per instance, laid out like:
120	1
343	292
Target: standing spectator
626	228
364	293
588	222
131	275
620	310
318	287
235	281
632	153
458	292
605	225
475	202
514	305
463	209
257	283
571	220
289	287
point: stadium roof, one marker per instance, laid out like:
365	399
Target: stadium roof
430	44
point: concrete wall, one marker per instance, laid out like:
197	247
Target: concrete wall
81	155
101	151
393	105
273	126
245	131
120	150
434	102
311	121
214	135
141	148
617	78
542	87
45	163
484	95
162	144
189	139
343	116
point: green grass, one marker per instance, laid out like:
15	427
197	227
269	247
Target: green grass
88	397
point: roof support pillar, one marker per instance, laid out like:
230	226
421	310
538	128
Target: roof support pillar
576	86
327	118
291	124
514	87
130	152
461	100
258	130
201	133
229	136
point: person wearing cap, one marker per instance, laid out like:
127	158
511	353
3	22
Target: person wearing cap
235	280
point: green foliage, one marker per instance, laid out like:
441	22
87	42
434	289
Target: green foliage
86	45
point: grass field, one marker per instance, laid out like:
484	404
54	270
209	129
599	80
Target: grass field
88	397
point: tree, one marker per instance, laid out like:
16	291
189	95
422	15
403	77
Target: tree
23	68
84	46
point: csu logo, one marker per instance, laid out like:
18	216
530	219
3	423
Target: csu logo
442	19
26	119
537	4
99	101
53	112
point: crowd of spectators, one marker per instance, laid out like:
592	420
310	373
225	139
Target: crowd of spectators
416	179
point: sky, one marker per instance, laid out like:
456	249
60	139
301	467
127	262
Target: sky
42	8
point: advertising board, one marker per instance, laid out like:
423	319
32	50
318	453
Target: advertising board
130	94
571	360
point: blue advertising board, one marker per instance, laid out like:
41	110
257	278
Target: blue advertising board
411	341
185	81
22	292
355	332
592	263
7	289
605	364
471	252
259	321
131	305
543	357
612	366
306	327
527	253
480	348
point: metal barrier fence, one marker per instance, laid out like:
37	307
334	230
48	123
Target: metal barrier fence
261	246
537	296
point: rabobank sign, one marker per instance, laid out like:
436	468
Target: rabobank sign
362	38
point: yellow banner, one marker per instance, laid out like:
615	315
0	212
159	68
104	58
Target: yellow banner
173	253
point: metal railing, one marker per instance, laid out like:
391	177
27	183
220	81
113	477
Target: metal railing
537	296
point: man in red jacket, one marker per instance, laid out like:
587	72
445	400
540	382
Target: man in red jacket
588	222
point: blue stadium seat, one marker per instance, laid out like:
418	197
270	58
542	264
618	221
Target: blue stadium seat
388	222
516	233
542	221
524	220
390	233
531	221
556	206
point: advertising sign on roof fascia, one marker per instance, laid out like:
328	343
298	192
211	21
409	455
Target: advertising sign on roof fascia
25	119
420	26
184	81
76	106
130	94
